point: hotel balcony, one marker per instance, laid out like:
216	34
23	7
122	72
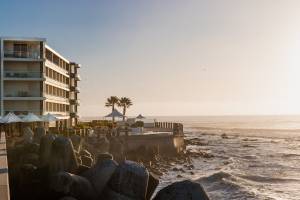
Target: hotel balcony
23	75
75	88
75	76
23	95
22	55
75	102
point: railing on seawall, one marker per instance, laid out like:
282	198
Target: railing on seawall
176	128
4	183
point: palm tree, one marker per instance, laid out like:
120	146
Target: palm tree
125	103
111	102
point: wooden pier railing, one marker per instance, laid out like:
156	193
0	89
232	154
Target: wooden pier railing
176	128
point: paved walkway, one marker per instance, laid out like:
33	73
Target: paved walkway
4	184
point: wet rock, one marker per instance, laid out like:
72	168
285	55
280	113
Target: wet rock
182	190
72	185
100	174
152	184
130	180
26	175
39	133
87	161
62	156
82	169
31	148
30	158
103	156
85	152
45	149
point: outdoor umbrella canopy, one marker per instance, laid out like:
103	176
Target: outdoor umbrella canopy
115	113
1	120
140	117
31	118
49	118
11	118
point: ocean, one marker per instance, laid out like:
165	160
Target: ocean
260	159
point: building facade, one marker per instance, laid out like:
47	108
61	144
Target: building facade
35	78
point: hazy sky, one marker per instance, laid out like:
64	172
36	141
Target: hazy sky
172	57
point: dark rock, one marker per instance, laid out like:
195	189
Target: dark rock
85	152
130	179
100	174
39	133
72	185
87	161
62	156
152	184
31	148
45	149
82	169
30	158
182	190
103	156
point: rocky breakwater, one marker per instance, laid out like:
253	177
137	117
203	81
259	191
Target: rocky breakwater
46	166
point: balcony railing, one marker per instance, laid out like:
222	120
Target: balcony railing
22	94
22	74
75	101
33	54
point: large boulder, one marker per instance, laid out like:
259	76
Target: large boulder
62	156
100	174
86	160
182	190
45	149
39	133
85	152
152	184
30	154
130	181
72	185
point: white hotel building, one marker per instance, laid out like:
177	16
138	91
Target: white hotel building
35	78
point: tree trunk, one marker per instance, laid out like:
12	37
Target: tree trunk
113	108
124	112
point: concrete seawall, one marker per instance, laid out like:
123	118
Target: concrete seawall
165	143
4	183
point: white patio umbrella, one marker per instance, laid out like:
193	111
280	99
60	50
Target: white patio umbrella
11	118
49	118
115	113
31	118
140	116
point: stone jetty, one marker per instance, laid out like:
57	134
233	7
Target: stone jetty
48	166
